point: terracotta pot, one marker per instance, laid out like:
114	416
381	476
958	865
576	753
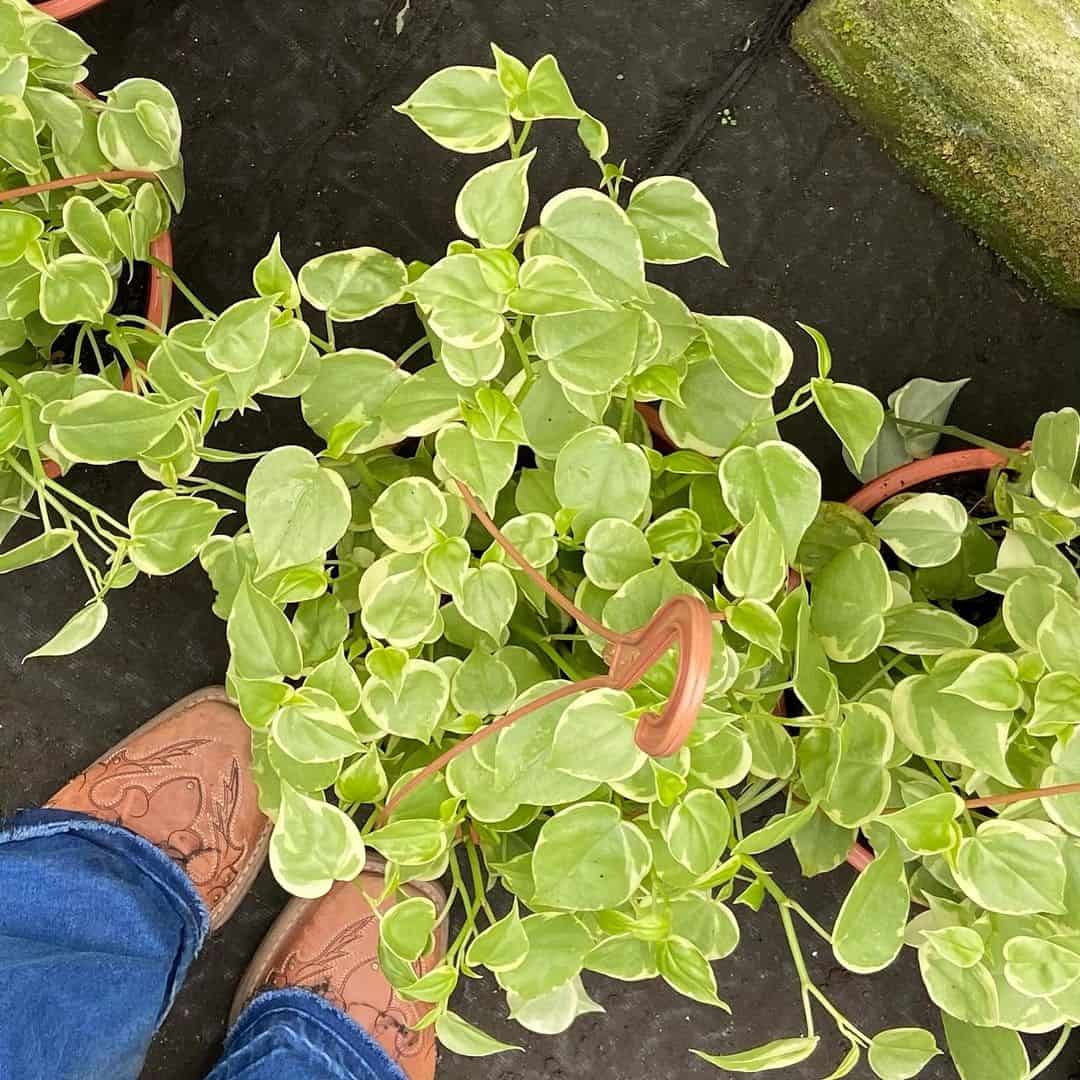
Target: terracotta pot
62	10
892	483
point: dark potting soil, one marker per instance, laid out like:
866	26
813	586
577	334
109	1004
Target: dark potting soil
288	128
132	293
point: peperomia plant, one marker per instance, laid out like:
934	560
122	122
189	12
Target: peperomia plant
430	618
86	186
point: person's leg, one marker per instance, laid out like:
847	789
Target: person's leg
315	1002
107	894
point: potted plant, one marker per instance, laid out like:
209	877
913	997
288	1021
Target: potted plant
551	655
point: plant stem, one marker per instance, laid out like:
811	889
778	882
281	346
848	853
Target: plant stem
549	650
90	508
330	333
174	277
626	417
810	921
526	363
516	146
882	670
959	433
478	880
1055	1052
414	348
211	485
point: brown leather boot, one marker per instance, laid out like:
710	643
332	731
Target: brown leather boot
330	946
183	781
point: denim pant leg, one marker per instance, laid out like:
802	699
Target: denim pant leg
297	1035
97	931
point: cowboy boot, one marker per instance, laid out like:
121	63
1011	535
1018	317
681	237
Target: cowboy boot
330	946
183	782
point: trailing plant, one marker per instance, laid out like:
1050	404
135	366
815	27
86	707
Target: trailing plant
64	243
546	650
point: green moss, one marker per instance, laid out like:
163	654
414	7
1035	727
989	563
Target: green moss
978	98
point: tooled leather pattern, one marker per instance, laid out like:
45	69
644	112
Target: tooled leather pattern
154	797
386	1016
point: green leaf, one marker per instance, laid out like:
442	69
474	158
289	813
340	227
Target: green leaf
487	599
901	1053
859	783
755	565
675	535
775	1055
88	228
167	530
966	993
19	230
1057	704
273	279
926	401
104	426
140	126
927	826
76	288
548	285
851	594
697	830
321	626
482	465
483	685
364	781
589	231
46	546
600	476
717	412
981	1053
855	414
512	74
461	1037
1039	968
406	514
682	966
615	551
835	527
351	285
503	946
591	352
414	711
869	931
558	945
410	843
313	845
991	681
754	356
779	479
461	108
297	509
758	623
599	717
350	387
492	204
18	136
1058	636
552	1013
587	859
78	632
924	630
1011	868
925	530
774	832
407	927
948	727
310	727
546	95
675	221
402	609
262	641
461	305
594	137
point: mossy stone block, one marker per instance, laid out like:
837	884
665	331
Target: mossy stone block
980	99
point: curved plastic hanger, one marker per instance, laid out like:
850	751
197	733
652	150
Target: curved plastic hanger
684	621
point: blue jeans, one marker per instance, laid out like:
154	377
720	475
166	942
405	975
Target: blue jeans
97	931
